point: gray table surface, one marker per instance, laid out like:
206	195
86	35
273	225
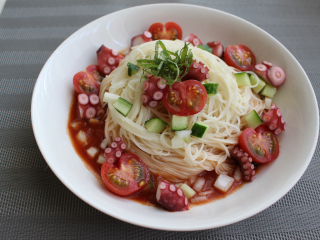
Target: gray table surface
34	204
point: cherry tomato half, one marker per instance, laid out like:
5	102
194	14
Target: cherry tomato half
95	72
126	176
240	57
84	82
168	31
261	144
185	98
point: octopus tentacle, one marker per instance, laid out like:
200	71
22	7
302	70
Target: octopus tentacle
267	64
262	71
153	89
272	74
274	120
89	106
245	163
217	48
108	59
193	39
171	197
141	38
114	152
197	71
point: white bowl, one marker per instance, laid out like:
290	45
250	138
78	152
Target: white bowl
52	97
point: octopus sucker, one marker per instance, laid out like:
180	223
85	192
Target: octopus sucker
197	71
153	90
114	152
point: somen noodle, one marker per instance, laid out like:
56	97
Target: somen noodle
223	113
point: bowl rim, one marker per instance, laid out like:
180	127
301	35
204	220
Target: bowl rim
262	207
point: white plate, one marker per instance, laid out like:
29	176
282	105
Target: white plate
52	96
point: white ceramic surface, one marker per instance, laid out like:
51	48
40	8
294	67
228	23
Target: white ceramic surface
52	96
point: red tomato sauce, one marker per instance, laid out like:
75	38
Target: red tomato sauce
95	131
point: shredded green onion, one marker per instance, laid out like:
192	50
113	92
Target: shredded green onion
172	66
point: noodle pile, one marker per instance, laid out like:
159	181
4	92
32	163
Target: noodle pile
223	113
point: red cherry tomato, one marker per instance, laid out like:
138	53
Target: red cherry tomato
85	83
168	31
126	176
185	98
95	72
240	57
261	144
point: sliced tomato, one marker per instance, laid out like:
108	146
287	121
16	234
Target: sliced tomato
127	176
261	144
95	72
240	57
185	98
168	31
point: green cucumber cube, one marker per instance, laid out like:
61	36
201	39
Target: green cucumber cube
122	106
260	86
268	91
188	191
199	129
242	79
212	88
155	125
179	123
253	119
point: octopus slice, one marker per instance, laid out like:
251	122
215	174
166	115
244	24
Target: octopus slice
171	197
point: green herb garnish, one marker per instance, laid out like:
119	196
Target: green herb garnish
205	47
172	66
132	68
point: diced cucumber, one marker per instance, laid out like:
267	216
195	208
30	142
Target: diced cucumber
110	97
267	103
199	129
253	119
179	123
260	86
155	125
268	91
242	79
122	106
212	88
132	68
188	191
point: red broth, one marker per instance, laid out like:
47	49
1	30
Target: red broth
95	131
